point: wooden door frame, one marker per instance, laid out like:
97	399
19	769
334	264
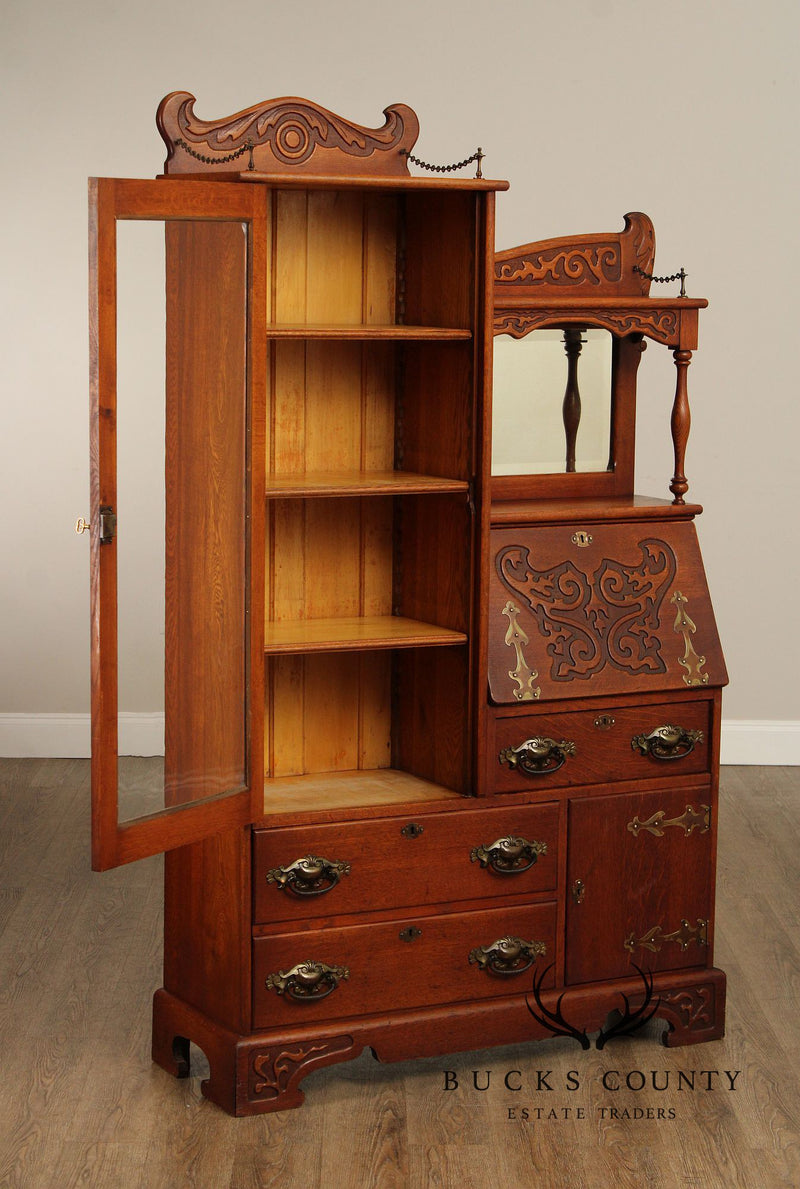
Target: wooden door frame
114	843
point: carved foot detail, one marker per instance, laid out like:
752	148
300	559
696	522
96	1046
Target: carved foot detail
180	1053
695	1014
274	1073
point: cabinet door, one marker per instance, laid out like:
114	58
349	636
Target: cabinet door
639	883
176	332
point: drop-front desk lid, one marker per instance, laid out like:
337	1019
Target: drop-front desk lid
585	610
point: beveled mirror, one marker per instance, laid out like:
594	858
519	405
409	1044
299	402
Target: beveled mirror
552	402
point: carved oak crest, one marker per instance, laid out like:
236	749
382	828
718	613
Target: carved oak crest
603	264
281	136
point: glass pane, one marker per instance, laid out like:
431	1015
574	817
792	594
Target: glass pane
181	467
530	381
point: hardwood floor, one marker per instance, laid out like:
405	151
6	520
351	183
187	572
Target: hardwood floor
81	1103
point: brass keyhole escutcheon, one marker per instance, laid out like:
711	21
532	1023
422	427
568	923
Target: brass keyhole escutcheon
604	722
410	934
578	891
412	830
581	538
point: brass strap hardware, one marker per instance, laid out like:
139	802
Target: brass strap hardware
538	756
654	938
578	891
690	820
581	539
507	955
310	876
410	934
667	742
685	627
522	675
509	855
412	830
307	982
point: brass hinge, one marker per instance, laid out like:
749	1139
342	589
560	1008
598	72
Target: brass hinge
108	524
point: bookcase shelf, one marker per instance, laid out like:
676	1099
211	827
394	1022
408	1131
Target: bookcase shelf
326	484
358	633
361	332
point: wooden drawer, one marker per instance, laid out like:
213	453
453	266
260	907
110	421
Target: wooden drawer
389	862
399	964
601	746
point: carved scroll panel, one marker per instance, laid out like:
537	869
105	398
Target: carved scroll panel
581	265
597	607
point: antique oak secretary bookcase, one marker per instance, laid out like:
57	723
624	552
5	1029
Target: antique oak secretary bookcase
438	747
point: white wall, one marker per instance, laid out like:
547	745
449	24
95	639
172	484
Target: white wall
590	107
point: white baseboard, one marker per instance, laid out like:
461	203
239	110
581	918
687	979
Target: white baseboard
760	741
744	741
68	736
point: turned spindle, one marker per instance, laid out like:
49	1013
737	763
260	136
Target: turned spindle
571	408
680	422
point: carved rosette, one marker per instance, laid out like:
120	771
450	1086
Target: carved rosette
283	135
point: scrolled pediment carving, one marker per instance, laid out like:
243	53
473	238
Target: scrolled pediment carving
283	135
582	265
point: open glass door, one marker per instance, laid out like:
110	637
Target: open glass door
177	656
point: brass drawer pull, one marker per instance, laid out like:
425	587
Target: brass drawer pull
538	756
508	856
654	938
307	982
507	955
311	876
667	742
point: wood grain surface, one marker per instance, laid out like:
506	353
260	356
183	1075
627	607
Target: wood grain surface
81	1103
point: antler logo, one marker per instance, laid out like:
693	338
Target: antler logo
629	1021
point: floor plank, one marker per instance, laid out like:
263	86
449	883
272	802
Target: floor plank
82	1104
